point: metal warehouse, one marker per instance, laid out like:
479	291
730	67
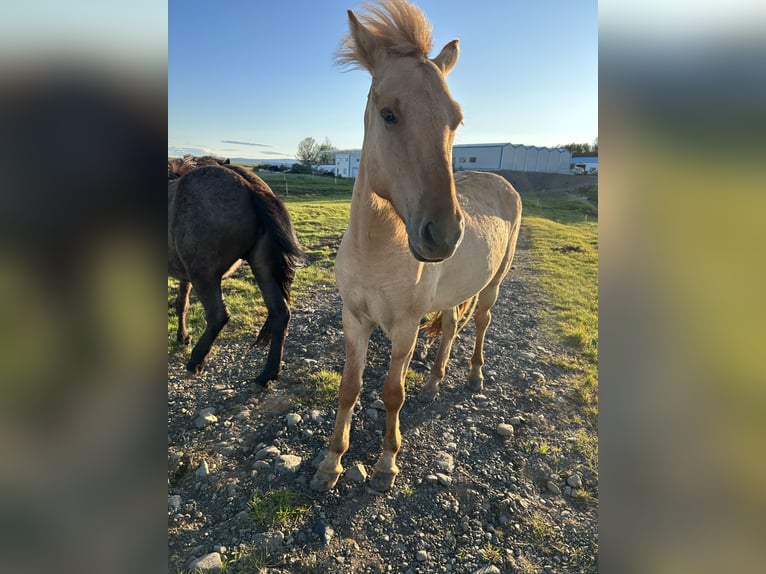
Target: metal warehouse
515	157
489	157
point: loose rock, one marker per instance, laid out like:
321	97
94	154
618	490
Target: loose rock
504	429
203	470
357	473
574	480
293	419
210	561
287	463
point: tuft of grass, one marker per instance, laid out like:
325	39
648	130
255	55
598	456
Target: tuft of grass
276	509
408	491
413	379
323	388
491	553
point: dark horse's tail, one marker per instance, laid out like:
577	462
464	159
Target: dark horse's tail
285	251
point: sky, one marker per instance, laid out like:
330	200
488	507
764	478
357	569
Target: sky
253	78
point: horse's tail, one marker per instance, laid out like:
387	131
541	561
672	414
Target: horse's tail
432	327
286	253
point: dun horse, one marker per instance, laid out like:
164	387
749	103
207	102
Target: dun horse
419	239
218	215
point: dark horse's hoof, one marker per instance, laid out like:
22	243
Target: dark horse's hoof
427	394
264	379
184	339
195	367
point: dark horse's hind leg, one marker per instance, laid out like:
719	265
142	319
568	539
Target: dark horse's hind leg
216	316
182	305
275	328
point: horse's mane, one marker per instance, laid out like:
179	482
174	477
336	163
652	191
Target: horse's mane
398	25
181	166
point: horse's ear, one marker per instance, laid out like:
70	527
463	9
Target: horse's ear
447	58
364	44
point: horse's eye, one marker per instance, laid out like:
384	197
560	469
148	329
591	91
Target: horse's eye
388	116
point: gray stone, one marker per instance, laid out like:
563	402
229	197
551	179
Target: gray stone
378	404
444	480
538	376
287	463
553	487
574	480
207	411
293	420
489	569
444	462
516	420
432	478
371	414
174	502
504	429
271	541
204	420
421	556
316	416
261	465
210	561
203	470
266	452
324	531
357	473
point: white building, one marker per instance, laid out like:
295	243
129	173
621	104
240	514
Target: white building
347	163
515	157
487	157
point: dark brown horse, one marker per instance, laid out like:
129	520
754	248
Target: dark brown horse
218	215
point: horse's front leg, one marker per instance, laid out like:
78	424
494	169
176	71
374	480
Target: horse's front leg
402	345
356	333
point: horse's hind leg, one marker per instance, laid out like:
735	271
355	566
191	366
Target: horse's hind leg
435	377
216	316
483	317
275	327
182	305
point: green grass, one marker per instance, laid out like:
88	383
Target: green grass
322	387
491	553
276	509
563	234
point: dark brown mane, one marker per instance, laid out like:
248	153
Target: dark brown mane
181	166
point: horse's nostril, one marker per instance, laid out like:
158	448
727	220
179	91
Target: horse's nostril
426	234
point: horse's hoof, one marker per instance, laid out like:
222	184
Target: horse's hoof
324	482
184	339
475	384
382	481
264	379
427	394
194	367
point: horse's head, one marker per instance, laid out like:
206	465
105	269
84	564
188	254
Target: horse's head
410	125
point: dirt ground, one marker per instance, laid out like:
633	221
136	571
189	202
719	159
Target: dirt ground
468	499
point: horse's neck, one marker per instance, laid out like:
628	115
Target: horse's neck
373	224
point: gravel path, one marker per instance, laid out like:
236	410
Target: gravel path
501	481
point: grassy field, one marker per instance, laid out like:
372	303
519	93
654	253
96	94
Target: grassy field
563	233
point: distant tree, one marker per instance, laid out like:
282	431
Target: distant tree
308	152
326	153
582	149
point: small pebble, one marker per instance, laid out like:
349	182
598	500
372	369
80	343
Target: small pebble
504	429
